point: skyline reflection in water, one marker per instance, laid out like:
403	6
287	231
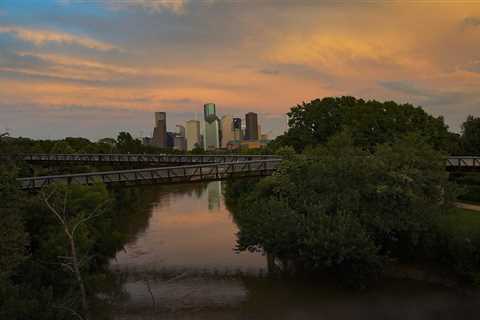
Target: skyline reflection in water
189	228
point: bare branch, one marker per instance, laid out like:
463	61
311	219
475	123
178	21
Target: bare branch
71	311
89	217
52	209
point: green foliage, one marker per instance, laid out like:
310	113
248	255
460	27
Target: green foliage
471	135
341	209
458	243
34	280
13	238
470	184
127	144
62	147
371	123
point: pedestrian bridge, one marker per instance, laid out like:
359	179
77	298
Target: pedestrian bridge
132	159
184	168
452	163
162	175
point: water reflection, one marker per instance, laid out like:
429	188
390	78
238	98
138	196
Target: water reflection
183	266
188	228
214	195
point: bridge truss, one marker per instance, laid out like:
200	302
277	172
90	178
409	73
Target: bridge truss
163	175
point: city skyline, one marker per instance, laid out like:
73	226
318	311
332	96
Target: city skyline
212	133
78	68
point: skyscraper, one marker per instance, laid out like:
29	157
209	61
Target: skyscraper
193	134
227	130
251	132
180	130
209	110
159	138
237	129
180	142
211	135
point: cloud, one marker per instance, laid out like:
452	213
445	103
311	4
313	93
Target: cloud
404	87
272	72
471	22
63	60
473	66
40	37
153	6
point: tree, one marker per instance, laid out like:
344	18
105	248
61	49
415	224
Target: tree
72	213
13	242
62	147
341	209
371	123
127	144
471	135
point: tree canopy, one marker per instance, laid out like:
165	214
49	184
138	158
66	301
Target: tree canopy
471	135
341	209
371	123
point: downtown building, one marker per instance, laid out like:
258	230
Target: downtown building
251	130
192	134
159	138
211	129
237	129
179	142
227	130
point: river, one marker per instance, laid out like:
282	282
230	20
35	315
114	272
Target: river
182	265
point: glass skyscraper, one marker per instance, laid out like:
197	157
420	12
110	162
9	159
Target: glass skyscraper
211	134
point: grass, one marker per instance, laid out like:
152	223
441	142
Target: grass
462	222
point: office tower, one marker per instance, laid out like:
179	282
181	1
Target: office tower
179	142
209	110
193	135
251	131
227	130
180	130
259	131
237	129
159	138
211	135
170	140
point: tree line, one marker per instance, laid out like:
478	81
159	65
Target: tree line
363	185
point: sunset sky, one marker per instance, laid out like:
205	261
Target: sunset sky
93	68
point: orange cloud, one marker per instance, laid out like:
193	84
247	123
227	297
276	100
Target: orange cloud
42	37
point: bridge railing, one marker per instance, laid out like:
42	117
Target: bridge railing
463	163
203	172
135	158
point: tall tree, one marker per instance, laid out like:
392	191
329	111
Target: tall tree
471	135
371	123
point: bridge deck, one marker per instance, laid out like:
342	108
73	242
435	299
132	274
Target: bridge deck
212	167
146	159
203	172
453	162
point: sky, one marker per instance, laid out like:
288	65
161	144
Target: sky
93	68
